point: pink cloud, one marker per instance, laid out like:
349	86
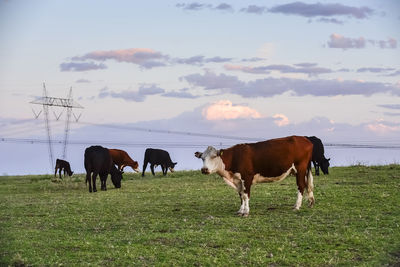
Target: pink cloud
225	110
281	120
382	128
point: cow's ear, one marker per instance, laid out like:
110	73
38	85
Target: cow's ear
329	159
175	163
198	154
220	152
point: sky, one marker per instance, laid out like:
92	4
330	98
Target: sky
167	73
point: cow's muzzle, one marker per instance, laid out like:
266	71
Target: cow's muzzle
205	171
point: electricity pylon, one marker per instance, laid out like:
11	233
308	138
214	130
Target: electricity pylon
47	102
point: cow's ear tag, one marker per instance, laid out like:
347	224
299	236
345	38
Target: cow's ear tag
220	153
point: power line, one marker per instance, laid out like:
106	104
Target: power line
175	144
149	130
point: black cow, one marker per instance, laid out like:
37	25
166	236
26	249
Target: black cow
62	165
98	161
158	157
318	158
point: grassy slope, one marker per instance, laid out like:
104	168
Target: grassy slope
189	219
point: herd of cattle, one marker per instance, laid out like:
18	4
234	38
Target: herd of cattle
240	166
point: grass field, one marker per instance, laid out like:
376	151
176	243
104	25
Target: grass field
189	219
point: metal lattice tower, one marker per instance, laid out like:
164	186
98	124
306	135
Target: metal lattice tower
67	103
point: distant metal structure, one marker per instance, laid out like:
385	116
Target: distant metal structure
46	102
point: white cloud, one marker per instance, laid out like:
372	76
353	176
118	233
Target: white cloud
226	110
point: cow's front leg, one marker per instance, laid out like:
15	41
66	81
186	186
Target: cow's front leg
241	210
316	165
244	195
152	169
164	170
144	167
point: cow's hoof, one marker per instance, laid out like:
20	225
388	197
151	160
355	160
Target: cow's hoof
245	215
296	208
311	203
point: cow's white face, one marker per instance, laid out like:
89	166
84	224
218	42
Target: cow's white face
212	162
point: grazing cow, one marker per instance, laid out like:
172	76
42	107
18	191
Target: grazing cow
62	165
318	158
122	159
243	165
158	157
98	161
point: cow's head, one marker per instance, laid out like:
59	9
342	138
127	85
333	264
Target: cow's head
325	165
70	173
212	161
171	166
135	166
116	176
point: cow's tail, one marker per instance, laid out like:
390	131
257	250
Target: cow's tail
310	178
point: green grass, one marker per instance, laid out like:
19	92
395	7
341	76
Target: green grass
189	219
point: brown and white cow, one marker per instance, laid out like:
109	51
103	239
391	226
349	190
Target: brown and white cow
243	165
122	159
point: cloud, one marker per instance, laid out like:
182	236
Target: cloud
375	70
269	87
86	66
193	6
253	59
199	6
339	41
331	20
325	10
131	95
306	68
390	106
281	120
183	93
391	43
82	81
382	128
200	60
224	7
225	110
254	9
396	73
144	57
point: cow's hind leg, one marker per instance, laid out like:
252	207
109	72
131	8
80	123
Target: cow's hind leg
301	185
94	175
103	180
89	180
